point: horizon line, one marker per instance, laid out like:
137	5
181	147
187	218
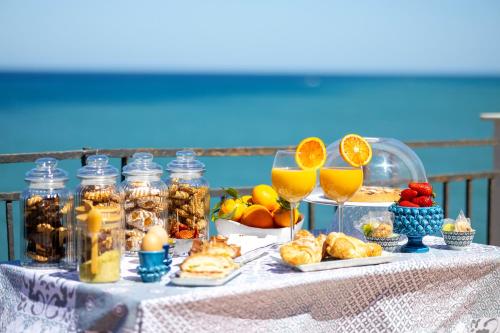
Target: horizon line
311	74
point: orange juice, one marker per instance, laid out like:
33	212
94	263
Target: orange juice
340	184
293	185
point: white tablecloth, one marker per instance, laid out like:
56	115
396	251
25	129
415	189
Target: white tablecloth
442	290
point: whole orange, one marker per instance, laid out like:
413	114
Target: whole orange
246	199
266	196
257	216
232	209
281	217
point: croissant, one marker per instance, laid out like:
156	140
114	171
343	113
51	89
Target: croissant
305	250
303	234
341	246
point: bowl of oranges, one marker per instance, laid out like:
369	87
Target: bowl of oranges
260	214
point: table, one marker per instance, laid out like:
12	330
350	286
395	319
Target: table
441	290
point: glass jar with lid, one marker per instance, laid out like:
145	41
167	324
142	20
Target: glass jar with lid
145	196
188	200
46	209
99	221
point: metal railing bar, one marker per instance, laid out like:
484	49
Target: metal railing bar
213	152
453	177
83	158
489	207
445	198
10	196
453	143
10	229
217	192
312	215
468	198
123	162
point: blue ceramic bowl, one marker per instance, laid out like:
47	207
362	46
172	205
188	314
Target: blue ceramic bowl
151	267
458	240
389	244
416	223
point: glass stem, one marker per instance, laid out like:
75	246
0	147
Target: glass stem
292	224
341	217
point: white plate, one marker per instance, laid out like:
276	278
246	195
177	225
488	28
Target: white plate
341	263
228	227
318	197
203	282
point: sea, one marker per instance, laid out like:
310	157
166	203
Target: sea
65	111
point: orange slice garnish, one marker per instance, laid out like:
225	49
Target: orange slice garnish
355	150
310	153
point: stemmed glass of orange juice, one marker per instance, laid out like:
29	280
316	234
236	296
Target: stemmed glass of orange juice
294	173
341	178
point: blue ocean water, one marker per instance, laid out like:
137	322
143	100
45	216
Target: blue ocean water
43	112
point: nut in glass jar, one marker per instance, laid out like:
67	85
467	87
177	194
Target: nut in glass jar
187	208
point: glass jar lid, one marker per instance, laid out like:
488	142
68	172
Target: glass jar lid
142	165
185	162
46	171
97	166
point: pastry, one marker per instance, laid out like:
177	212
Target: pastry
302	233
216	246
303	250
207	265
341	246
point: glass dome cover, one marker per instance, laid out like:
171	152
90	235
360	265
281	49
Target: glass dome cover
46	171
393	163
185	162
97	166
392	167
142	165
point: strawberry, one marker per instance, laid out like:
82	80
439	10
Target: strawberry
406	203
421	188
423	201
408	194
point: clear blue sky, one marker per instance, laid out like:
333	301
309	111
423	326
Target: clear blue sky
373	36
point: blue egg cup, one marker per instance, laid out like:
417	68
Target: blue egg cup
151	267
167	261
416	223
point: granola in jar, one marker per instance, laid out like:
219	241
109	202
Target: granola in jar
188	200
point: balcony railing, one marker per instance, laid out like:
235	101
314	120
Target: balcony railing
124	154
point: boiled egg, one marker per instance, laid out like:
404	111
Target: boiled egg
151	242
160	232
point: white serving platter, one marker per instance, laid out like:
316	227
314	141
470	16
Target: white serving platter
318	197
203	282
341	263
228	227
